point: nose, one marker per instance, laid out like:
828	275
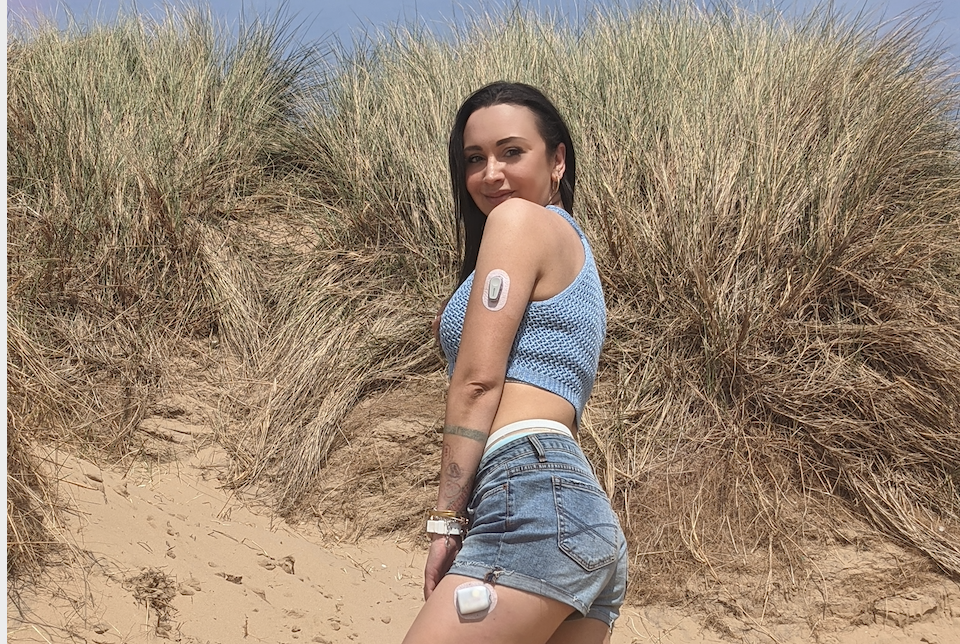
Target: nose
493	171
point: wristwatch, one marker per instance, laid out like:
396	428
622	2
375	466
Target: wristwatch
444	526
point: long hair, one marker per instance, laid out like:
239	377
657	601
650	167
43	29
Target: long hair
551	126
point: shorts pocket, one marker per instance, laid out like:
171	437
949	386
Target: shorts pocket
588	531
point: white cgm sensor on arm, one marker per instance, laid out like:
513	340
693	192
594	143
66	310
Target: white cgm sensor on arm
495	290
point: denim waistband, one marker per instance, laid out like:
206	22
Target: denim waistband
521	428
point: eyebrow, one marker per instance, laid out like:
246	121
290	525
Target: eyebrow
502	141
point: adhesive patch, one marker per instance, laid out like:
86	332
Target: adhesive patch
474	600
495	290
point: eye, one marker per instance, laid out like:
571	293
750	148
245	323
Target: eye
474	158
513	152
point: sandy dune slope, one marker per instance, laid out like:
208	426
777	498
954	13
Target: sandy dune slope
164	553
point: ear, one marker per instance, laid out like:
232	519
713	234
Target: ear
560	160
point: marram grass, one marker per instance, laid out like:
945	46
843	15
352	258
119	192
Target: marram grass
774	205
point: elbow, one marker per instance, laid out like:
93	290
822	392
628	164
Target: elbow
475	391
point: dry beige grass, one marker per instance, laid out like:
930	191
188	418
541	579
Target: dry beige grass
31	504
778	233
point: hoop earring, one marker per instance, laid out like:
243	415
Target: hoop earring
553	190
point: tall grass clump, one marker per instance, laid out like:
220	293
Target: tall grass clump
125	142
778	205
131	148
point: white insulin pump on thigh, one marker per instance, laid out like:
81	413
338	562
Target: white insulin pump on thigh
474	599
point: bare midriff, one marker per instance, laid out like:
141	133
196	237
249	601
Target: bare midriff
521	401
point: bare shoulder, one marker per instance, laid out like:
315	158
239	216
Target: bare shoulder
524	234
521	217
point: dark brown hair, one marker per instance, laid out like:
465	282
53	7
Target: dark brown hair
551	126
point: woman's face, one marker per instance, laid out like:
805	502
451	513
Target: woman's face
506	157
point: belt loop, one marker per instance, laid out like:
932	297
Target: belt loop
538	448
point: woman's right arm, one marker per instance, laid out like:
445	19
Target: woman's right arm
477	382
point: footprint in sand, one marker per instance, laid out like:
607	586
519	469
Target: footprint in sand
285	564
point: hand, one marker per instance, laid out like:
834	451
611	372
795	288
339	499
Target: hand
435	328
443	550
435	325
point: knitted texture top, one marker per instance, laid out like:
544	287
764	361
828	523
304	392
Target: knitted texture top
557	346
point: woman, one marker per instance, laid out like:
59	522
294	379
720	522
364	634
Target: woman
524	545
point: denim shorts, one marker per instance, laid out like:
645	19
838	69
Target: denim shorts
541	523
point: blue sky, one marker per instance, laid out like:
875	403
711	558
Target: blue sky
323	19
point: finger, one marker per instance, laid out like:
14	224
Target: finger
429	585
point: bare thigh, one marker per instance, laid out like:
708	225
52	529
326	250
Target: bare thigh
518	618
581	631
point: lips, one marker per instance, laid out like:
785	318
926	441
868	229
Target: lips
498	197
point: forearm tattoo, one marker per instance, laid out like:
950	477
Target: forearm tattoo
457	487
472	434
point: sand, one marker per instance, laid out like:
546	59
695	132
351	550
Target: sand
164	553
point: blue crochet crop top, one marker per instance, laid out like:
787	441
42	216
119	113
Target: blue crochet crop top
557	347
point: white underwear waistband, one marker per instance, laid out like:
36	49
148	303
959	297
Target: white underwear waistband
519	429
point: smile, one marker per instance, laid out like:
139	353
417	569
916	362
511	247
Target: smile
503	195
